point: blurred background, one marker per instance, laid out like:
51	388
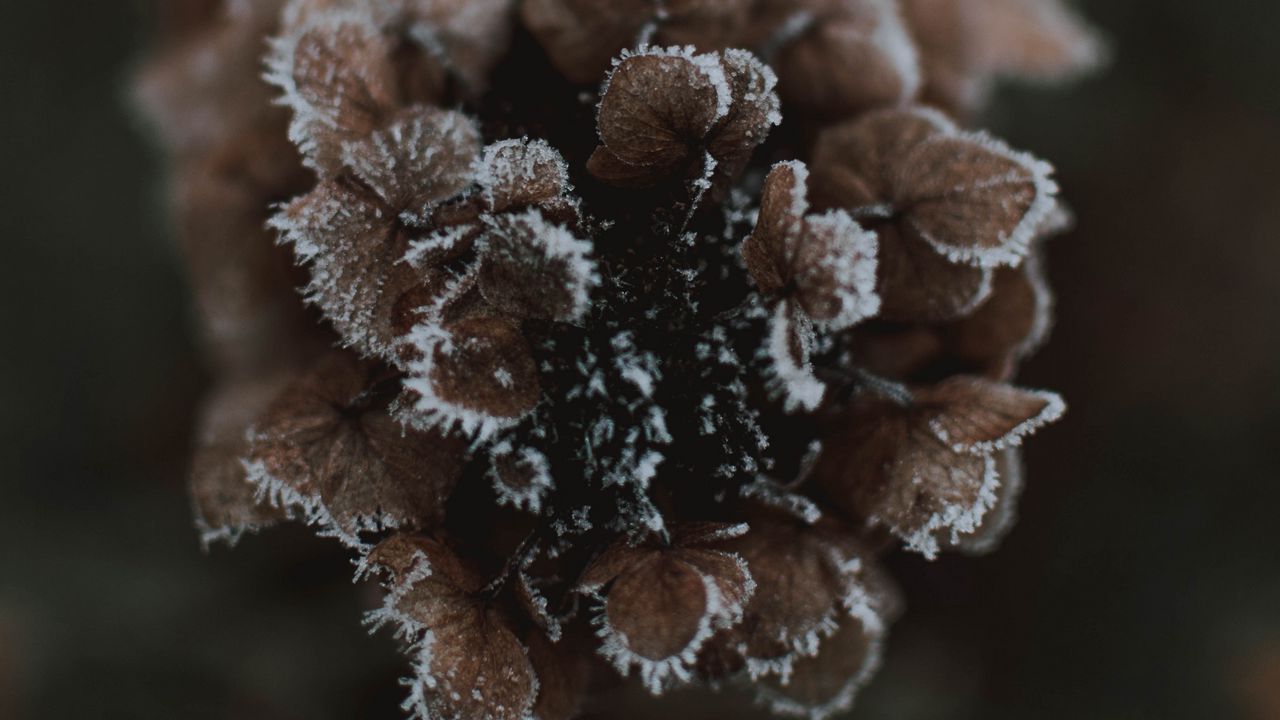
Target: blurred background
1143	580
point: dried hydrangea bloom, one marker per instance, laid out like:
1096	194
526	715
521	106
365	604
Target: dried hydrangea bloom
605	375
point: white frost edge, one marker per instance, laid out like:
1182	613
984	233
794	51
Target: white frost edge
855	269
795	384
958	519
432	411
773	494
1013	246
529	499
658	676
1053	410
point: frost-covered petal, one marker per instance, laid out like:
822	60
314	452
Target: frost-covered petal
787	351
476	373
327	447
835	270
336	75
468	663
225	504
423	156
661	603
806	575
353	248
1000	519
536	269
754	110
522	173
977	415
521	477
783	206
656	102
1009	326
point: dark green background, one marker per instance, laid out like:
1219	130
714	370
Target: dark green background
1142	582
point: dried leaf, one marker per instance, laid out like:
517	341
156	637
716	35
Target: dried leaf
328	447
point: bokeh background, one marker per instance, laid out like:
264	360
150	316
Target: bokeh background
1142	582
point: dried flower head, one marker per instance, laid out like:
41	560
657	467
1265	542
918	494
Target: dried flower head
601	367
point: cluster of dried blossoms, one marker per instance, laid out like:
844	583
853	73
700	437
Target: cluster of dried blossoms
597	360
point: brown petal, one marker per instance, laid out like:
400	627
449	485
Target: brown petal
855	163
783	206
476	372
354	250
754	110
663	602
535	269
1039	39
803	574
469	663
656	104
827	684
973	199
522	173
422	157
976	415
705	24
916	284
582	36
1000	519
1010	325
521	477
472	35
564	675
338	79
224	501
835	270
327	445
854	56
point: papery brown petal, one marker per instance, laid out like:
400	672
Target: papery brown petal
1039	39
224	501
353	249
534	269
976	415
523	173
1000	519
329	440
835	270
657	606
973	199
653	106
423	156
582	36
856	163
486	367
754	110
705	24
1007	327
343	83
855	56
783	205
606	167
827	684
916	284
945	33
470	664
799	585
472	34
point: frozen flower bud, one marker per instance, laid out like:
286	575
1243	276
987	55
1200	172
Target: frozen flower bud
328	448
835	58
662	602
469	663
947	205
671	113
927	471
